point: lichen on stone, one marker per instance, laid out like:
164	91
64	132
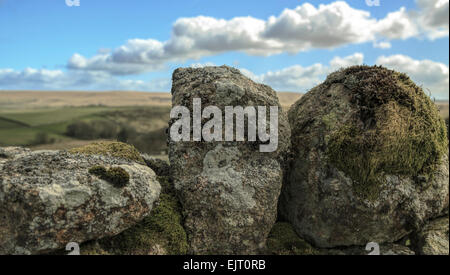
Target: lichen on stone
433	239
283	240
110	148
58	201
161	232
395	130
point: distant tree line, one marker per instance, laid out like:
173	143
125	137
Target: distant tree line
153	142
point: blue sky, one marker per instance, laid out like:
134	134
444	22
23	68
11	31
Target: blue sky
290	45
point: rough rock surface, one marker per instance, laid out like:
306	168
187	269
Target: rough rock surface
228	190
434	238
49	198
330	207
11	152
284	241
160	233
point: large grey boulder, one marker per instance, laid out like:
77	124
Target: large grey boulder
369	160
228	190
51	198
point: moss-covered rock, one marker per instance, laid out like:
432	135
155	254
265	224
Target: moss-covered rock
283	240
110	148
433	239
159	233
49	198
394	129
369	159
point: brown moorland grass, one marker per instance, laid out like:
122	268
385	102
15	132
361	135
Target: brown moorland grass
13	100
23	100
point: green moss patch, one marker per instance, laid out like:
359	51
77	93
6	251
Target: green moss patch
117	176
99	171
283	240
110	148
396	129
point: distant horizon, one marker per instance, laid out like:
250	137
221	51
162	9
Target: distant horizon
285	97
149	92
109	91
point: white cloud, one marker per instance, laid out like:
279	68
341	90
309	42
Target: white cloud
105	63
432	76
42	79
434	17
397	25
305	27
301	79
327	26
30	76
342	62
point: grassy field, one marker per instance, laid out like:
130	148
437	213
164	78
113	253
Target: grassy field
25	100
41	119
47	127
19	127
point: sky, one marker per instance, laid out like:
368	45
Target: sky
290	45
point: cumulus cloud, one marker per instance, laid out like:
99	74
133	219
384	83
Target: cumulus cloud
29	77
301	79
105	63
436	12
342	62
192	38
434	16
294	30
42	79
432	76
397	25
327	26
